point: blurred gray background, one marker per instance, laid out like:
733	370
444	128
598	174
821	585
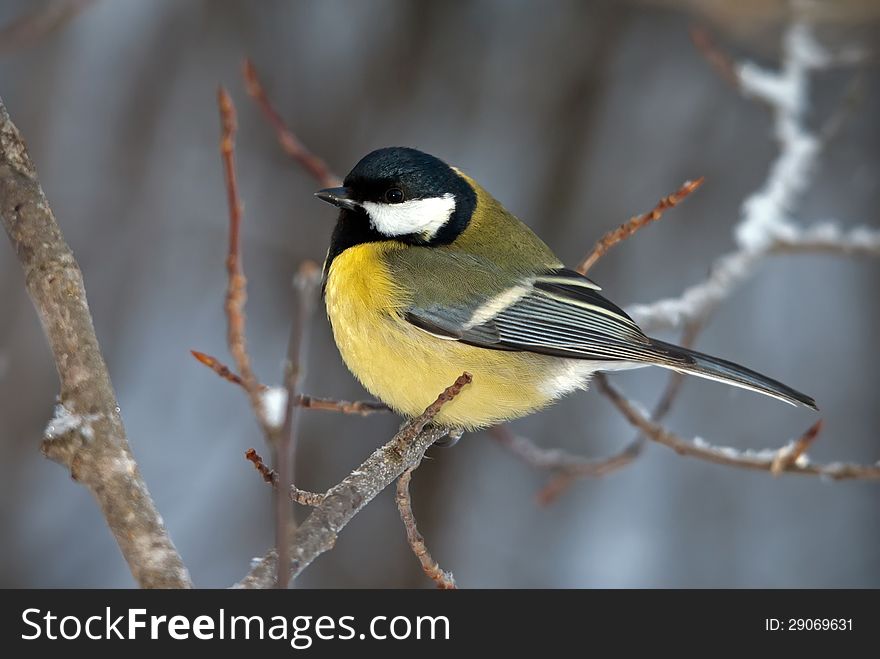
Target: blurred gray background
576	115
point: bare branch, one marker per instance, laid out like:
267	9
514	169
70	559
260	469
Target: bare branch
790	454
725	455
236	292
359	407
305	283
289	142
302	497
33	26
567	465
765	227
723	64
630	227
443	579
342	502
218	367
568	474
87	435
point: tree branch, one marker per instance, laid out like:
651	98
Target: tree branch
359	407
87	435
566	475
443	579
629	228
342	502
270	476
765	226
767	460
305	284
236	292
288	140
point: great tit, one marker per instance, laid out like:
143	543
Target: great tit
428	276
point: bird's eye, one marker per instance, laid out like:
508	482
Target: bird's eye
394	195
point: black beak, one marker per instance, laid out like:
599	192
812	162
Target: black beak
338	197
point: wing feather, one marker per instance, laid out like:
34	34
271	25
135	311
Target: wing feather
556	313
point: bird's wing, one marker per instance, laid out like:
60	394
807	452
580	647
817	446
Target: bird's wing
557	312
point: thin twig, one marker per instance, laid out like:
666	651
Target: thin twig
765	226
342	502
359	407
87	436
302	497
33	26
635	223
305	284
554	459
729	271
443	579
723	63
236	292
218	367
725	455
789	455
288	140
568	474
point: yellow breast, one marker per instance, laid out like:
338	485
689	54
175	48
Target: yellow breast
407	368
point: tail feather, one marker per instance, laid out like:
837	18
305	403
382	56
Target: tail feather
712	368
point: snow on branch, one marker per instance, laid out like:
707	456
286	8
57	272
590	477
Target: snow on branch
766	226
791	458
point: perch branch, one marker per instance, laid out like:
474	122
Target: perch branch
87	435
288	140
342	502
725	455
443	579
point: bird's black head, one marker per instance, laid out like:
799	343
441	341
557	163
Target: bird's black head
400	194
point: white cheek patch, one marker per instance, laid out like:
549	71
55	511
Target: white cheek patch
424	217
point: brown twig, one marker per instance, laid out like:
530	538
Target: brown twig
359	407
218	367
567	475
789	455
571	467
33	26
236	292
443	579
342	502
551	459
629	228
760	460
723	63
305	284
288	140
90	439
302	497
269	475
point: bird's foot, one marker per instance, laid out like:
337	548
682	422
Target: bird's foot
451	438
